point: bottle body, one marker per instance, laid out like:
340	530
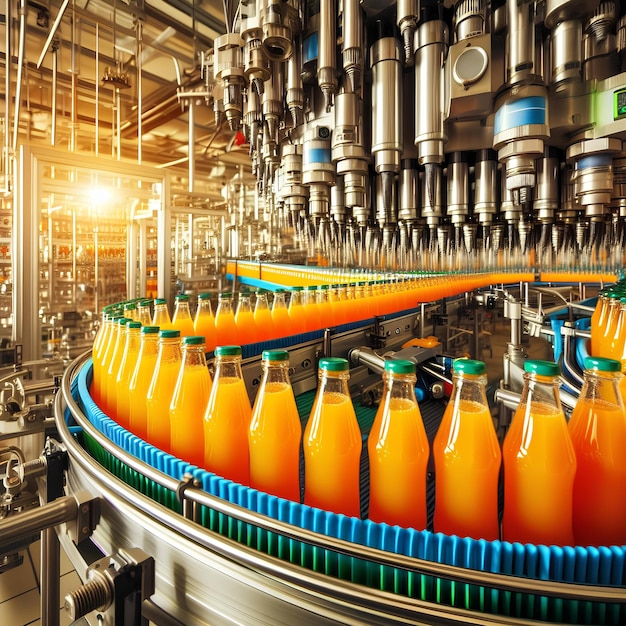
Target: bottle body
204	321
244	319
263	318
161	315
398	452
225	326
189	402
181	319
125	372
539	463
161	388
598	431
332	444
280	315
275	431
467	459
227	419
296	311
109	401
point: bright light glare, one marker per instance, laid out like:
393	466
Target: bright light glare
100	196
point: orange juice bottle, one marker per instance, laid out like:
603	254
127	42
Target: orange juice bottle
467	458
244	319
125	372
204	322
225	325
141	379
615	348
313	316
597	320
275	431
332	443
143	312
598	431
161	315
100	345
263	317
161	388
280	315
609	325
130	311
189	402
182	320
227	419
324	306
539	463
297	315
112	366
398	451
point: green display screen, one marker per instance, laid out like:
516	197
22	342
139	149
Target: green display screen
619	104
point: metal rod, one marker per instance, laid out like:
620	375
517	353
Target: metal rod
50	577
52	32
22	525
191	146
139	88
7	99
20	69
53	106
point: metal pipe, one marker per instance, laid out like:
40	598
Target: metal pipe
53	106
50	577
326	67
20	67
7	100
191	145
22	525
139	88
97	82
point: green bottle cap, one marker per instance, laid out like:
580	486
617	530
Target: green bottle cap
601	364
131	306
469	366
133	324
228	351
182	297
399	366
542	368
334	364
150	330
169	334
194	340
226	294
204	296
122	321
275	355
160	301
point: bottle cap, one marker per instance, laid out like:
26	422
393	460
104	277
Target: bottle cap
542	368
150	330
399	366
297	288
325	286
275	355
182	297
228	351
204	296
144	302
601	364
131	306
334	364
160	301
122	321
469	366
169	334
133	324
226	294
311	288
194	340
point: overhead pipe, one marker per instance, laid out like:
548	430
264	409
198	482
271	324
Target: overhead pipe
55	66
191	153
7	101
20	67
139	88
97	82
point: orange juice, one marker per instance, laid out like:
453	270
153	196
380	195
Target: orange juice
161	315
610	326
324	306
539	463
161	388
598	431
332	444
189	402
244	319
297	315
280	315
225	325
143	312
597	321
398	452
227	419
467	459
204	322
263	317
275	431
182	320
100	346
125	372
312	310
140	380
109	403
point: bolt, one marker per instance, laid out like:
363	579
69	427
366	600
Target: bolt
96	594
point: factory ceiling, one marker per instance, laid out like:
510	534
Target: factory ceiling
89	66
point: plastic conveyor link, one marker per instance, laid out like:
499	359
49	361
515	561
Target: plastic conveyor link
250	557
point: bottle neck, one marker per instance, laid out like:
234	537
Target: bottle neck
182	309
228	367
169	347
194	355
602	386
204	306
399	386
225	305
334	382
469	387
275	372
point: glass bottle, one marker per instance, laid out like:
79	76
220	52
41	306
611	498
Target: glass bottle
297	319
324	305
332	443
112	366
100	345
227	419
161	388
313	315
609	325
244	319
263	317
130	311
143	312
280	315
141	379
539	463
398	451
125	372
204	321
598	431
275	431
161	315
467	458
225	325
182	320
189	402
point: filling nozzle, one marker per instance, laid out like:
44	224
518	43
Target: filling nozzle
255	64
272	115
352	42
431	191
407	17
294	97
327	65
229	68
280	22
